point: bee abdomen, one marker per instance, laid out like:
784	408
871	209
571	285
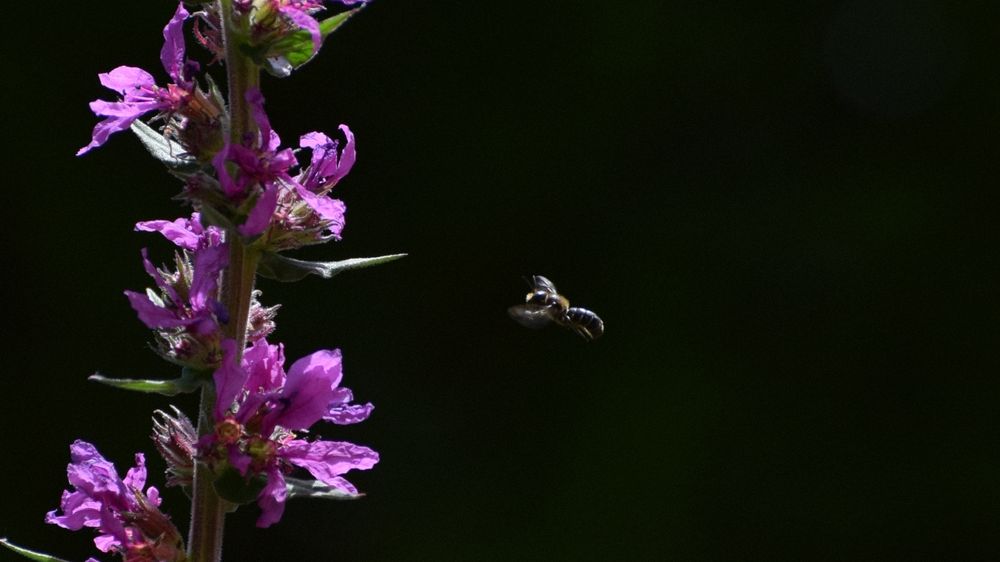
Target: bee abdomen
585	322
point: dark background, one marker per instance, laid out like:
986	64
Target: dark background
784	212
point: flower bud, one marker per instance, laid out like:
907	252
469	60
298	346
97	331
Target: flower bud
175	437
261	321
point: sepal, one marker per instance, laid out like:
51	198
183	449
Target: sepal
236	488
299	488
281	268
30	554
188	382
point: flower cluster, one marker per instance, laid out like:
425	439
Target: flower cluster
275	204
289	211
252	200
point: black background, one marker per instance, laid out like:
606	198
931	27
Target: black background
784	211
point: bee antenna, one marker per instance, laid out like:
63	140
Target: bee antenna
527	281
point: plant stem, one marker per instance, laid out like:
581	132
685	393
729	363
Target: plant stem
242	74
208	510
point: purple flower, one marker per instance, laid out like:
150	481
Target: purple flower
184	310
297	204
258	163
138	89
265	367
208	257
186	233
98	487
326	460
327	166
259	408
189	300
127	518
342	412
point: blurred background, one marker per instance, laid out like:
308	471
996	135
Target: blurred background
784	212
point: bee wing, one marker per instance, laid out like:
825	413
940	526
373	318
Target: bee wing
543	283
530	315
586	323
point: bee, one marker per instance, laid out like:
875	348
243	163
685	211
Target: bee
545	305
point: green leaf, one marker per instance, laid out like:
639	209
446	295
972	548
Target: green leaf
212	217
280	268
296	49
30	554
188	382
298	488
169	152
330	24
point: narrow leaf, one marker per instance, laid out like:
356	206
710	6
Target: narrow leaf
30	554
281	268
298	488
184	384
330	24
169	152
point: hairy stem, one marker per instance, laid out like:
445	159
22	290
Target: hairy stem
208	510
242	74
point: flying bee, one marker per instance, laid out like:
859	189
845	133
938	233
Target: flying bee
544	305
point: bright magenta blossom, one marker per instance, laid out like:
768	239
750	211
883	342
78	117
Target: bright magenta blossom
189	234
328	164
259	408
187	301
128	519
260	168
184	310
296	209
138	89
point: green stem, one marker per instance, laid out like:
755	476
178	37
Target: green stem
242	74
208	510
